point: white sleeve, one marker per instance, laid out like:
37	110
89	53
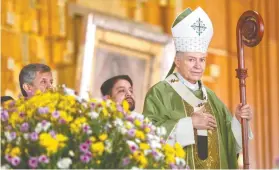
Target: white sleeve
236	129
182	133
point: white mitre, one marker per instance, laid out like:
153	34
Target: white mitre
192	31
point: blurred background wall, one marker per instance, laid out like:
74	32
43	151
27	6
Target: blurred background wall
44	31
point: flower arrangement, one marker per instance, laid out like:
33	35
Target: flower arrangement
57	130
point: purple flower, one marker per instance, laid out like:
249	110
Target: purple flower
130	118
34	136
43	159
126	161
89	154
44	122
4	115
12	135
119	108
92	106
33	162
86	128
15	161
133	148
154	153
85	158
131	132
52	133
83	147
8	128
55	114
24	127
43	110
8	158
173	166
105	97
62	121
88	142
22	114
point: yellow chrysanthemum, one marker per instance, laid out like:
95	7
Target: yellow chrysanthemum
49	143
103	137
144	146
105	112
92	139
139	157
170	160
179	151
137	123
52	144
15	152
65	116
98	147
61	138
139	134
147	130
125	105
169	150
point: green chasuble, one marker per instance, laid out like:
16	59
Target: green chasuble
165	108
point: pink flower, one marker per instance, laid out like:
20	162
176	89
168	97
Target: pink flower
24	127
4	115
131	132
55	114
33	162
85	158
83	147
43	159
34	136
15	161
126	161
8	158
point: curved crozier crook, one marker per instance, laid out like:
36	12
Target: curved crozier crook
251	27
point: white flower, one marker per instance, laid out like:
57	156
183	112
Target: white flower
18	140
161	131
132	145
122	130
108	146
38	128
46	126
108	102
136	115
9	136
64	163
25	136
129	125
155	144
180	161
137	140
93	115
146	152
71	153
150	137
158	156
118	122
6	166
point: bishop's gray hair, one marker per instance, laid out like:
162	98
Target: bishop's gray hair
178	55
28	74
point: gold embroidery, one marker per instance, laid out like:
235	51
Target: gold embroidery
212	161
174	80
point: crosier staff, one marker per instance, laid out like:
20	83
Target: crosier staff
249	31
